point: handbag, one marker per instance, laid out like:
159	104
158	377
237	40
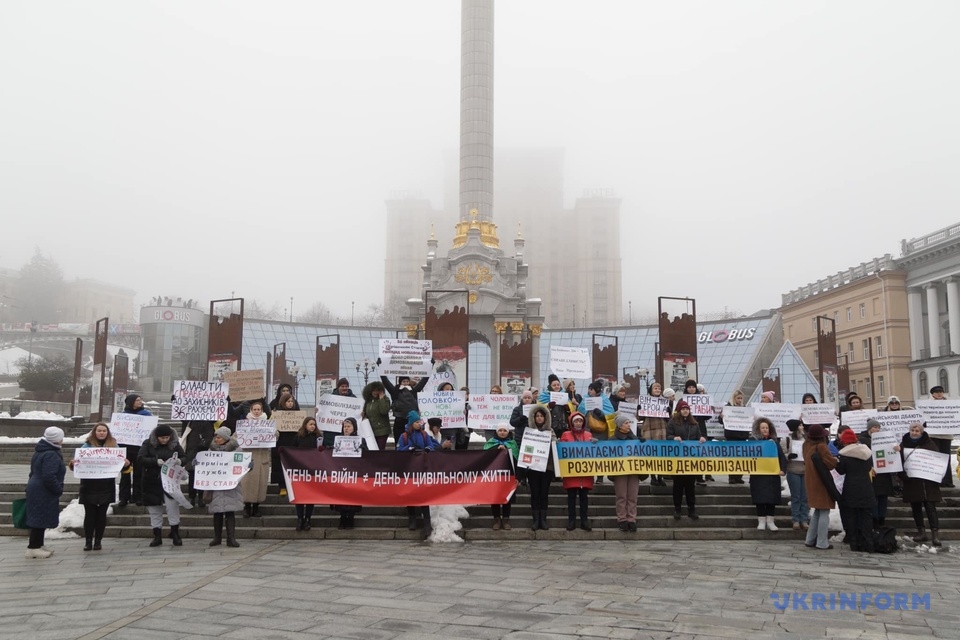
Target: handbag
20	513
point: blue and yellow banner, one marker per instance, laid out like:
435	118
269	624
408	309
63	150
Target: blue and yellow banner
666	458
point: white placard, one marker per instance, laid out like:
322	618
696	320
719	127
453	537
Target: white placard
535	449
593	402
347	447
714	426
527	408
628	409
739	418
700	405
796	448
943	416
898	422
172	474
653	407
571	362
925	464
559	397
778	413
220	470
885	459
95	463
489	410
857	420
199	400
838	480
817	413
405	357
131	428
333	410
447	405
365	431
256	434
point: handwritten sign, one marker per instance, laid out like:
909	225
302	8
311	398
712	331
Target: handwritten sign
535	450
943	416
220	470
653	407
288	421
570	362
199	400
488	410
333	410
403	357
446	405
94	463
700	405
925	464
245	385
777	412
132	429
257	434
739	418
347	447
885	459
817	413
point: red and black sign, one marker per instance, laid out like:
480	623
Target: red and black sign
399	478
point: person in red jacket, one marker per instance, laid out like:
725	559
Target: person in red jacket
577	486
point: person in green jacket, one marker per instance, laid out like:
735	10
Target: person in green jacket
376	409
503	439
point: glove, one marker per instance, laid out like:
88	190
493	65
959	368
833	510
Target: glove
593	441
173	398
552	404
597	413
432	361
379	362
792	456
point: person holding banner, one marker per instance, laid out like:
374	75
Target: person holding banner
922	494
155	450
224	503
730	435
254	483
578	486
503	440
626	486
600	421
309	438
683	426
97	494
539	481
404	397
131	479
348	511
653	428
821	492
691	388
415	439
765	489
376	410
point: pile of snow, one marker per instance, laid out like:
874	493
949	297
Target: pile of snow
34	415
446	522
70	517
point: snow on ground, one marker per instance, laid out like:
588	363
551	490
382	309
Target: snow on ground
33	415
8	360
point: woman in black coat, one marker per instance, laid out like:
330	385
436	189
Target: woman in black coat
921	494
765	489
44	489
96	494
155	450
882	482
308	437
855	462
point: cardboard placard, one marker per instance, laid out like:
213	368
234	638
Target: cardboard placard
245	385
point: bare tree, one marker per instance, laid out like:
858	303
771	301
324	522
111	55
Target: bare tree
256	310
317	313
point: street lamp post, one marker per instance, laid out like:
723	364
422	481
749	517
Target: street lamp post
366	367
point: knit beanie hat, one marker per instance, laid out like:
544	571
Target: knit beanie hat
163	431
343	381
848	437
576	415
873	422
682	405
53	435
435	422
596	386
551	378
412	417
769	395
669	393
621	420
816	432
223	432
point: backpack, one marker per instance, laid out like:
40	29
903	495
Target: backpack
885	540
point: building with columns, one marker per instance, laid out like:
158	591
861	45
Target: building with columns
868	305
932	266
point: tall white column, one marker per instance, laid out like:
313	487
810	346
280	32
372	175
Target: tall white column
933	318
915	317
953	313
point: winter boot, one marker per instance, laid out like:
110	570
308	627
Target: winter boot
536	519
921	535
761	523
412	518
571	525
350	520
543	520
217	530
692	512
255	510
246	509
585	525
300	524
935	537
306	524
771	525
89	545
96	544
496	524
157	537
505	524
677	514
343	521
232	530
175	535
427	526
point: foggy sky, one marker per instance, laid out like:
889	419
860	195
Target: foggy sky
196	149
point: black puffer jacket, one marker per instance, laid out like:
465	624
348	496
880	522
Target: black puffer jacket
855	462
152	455
404	400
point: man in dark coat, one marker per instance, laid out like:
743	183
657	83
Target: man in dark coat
44	488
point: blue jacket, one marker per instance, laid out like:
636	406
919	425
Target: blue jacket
411	440
45	486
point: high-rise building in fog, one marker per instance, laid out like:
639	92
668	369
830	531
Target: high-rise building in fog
573	253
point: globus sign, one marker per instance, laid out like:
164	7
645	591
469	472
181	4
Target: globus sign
172	315
726	335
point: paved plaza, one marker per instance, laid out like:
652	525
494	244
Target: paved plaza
268	590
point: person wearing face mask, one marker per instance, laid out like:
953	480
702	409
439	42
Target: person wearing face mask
920	493
404	397
96	494
504	441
